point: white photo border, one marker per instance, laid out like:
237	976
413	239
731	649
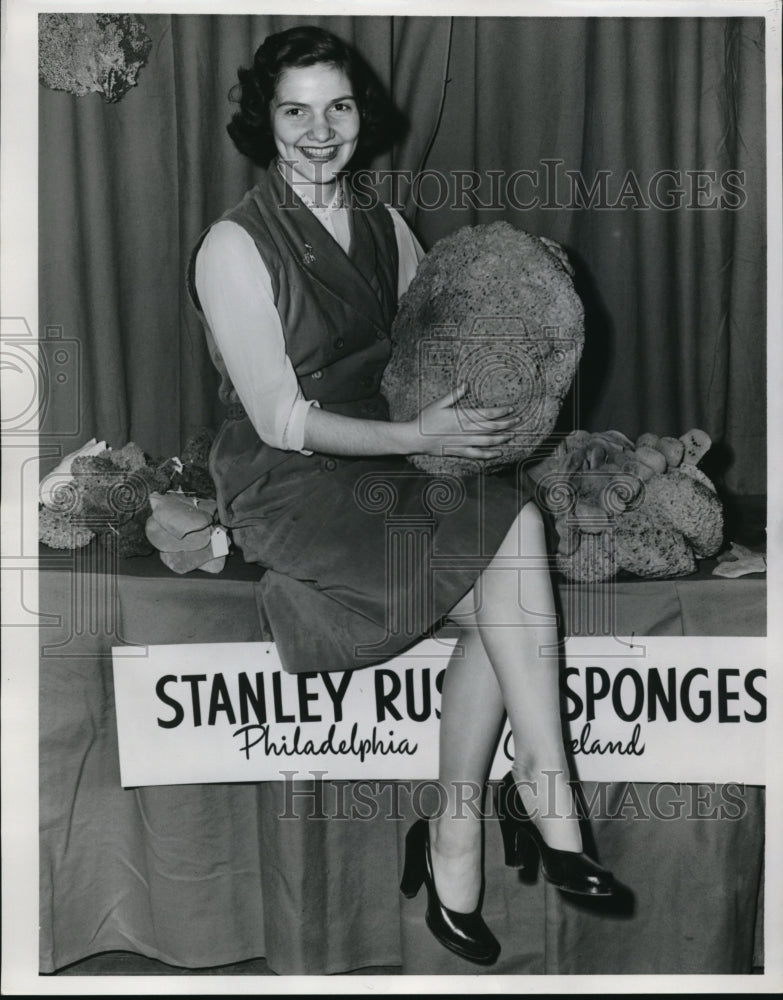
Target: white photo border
19	298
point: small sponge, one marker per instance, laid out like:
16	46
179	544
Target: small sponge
58	531
651	547
691	506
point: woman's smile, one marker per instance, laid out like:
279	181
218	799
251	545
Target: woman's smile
315	124
319	153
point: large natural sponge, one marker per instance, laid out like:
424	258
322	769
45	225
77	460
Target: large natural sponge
491	307
91	53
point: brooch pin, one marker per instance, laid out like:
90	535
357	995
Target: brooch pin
308	256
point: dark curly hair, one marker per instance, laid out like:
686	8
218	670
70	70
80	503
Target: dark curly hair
250	128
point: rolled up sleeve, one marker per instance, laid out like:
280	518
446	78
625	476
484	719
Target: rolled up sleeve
236	297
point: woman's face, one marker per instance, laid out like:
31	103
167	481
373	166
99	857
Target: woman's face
315	121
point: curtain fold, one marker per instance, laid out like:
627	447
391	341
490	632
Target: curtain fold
675	297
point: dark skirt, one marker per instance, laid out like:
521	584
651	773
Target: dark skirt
364	557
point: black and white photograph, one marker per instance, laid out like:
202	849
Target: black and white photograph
389	594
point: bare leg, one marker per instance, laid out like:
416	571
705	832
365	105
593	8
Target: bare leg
516	619
502	668
472	714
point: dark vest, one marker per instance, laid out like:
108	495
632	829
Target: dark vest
336	311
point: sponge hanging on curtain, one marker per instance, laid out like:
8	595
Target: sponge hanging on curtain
92	53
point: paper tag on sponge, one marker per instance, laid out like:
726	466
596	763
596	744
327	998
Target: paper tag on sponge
219	541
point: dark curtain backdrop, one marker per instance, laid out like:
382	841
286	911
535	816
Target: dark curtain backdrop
675	299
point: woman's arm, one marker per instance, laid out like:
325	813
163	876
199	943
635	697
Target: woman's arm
235	292
441	428
236	295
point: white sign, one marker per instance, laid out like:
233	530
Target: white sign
661	709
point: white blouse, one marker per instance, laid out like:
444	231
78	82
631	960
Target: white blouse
235	292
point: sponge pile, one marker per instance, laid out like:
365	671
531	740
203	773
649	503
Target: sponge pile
642	507
105	492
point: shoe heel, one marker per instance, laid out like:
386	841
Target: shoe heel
510	843
411	880
413	870
525	848
509	828
465	934
527	857
519	850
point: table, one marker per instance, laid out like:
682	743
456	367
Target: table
207	875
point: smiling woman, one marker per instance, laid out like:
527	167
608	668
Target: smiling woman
204	875
297	288
315	124
275	80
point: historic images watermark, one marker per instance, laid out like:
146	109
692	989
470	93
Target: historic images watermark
324	798
550	184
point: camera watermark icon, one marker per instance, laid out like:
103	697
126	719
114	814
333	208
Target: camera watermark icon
76	603
503	365
36	374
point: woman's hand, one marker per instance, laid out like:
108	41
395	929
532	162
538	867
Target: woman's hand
557	251
443	428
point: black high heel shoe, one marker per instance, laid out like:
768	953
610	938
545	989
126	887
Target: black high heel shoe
466	934
570	871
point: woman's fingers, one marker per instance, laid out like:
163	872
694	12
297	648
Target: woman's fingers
444	428
478	441
452	397
495	418
461	443
488	412
471	452
475	413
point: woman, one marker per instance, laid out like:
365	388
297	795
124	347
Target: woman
298	289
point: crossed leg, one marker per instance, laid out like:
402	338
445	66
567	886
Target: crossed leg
508	619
